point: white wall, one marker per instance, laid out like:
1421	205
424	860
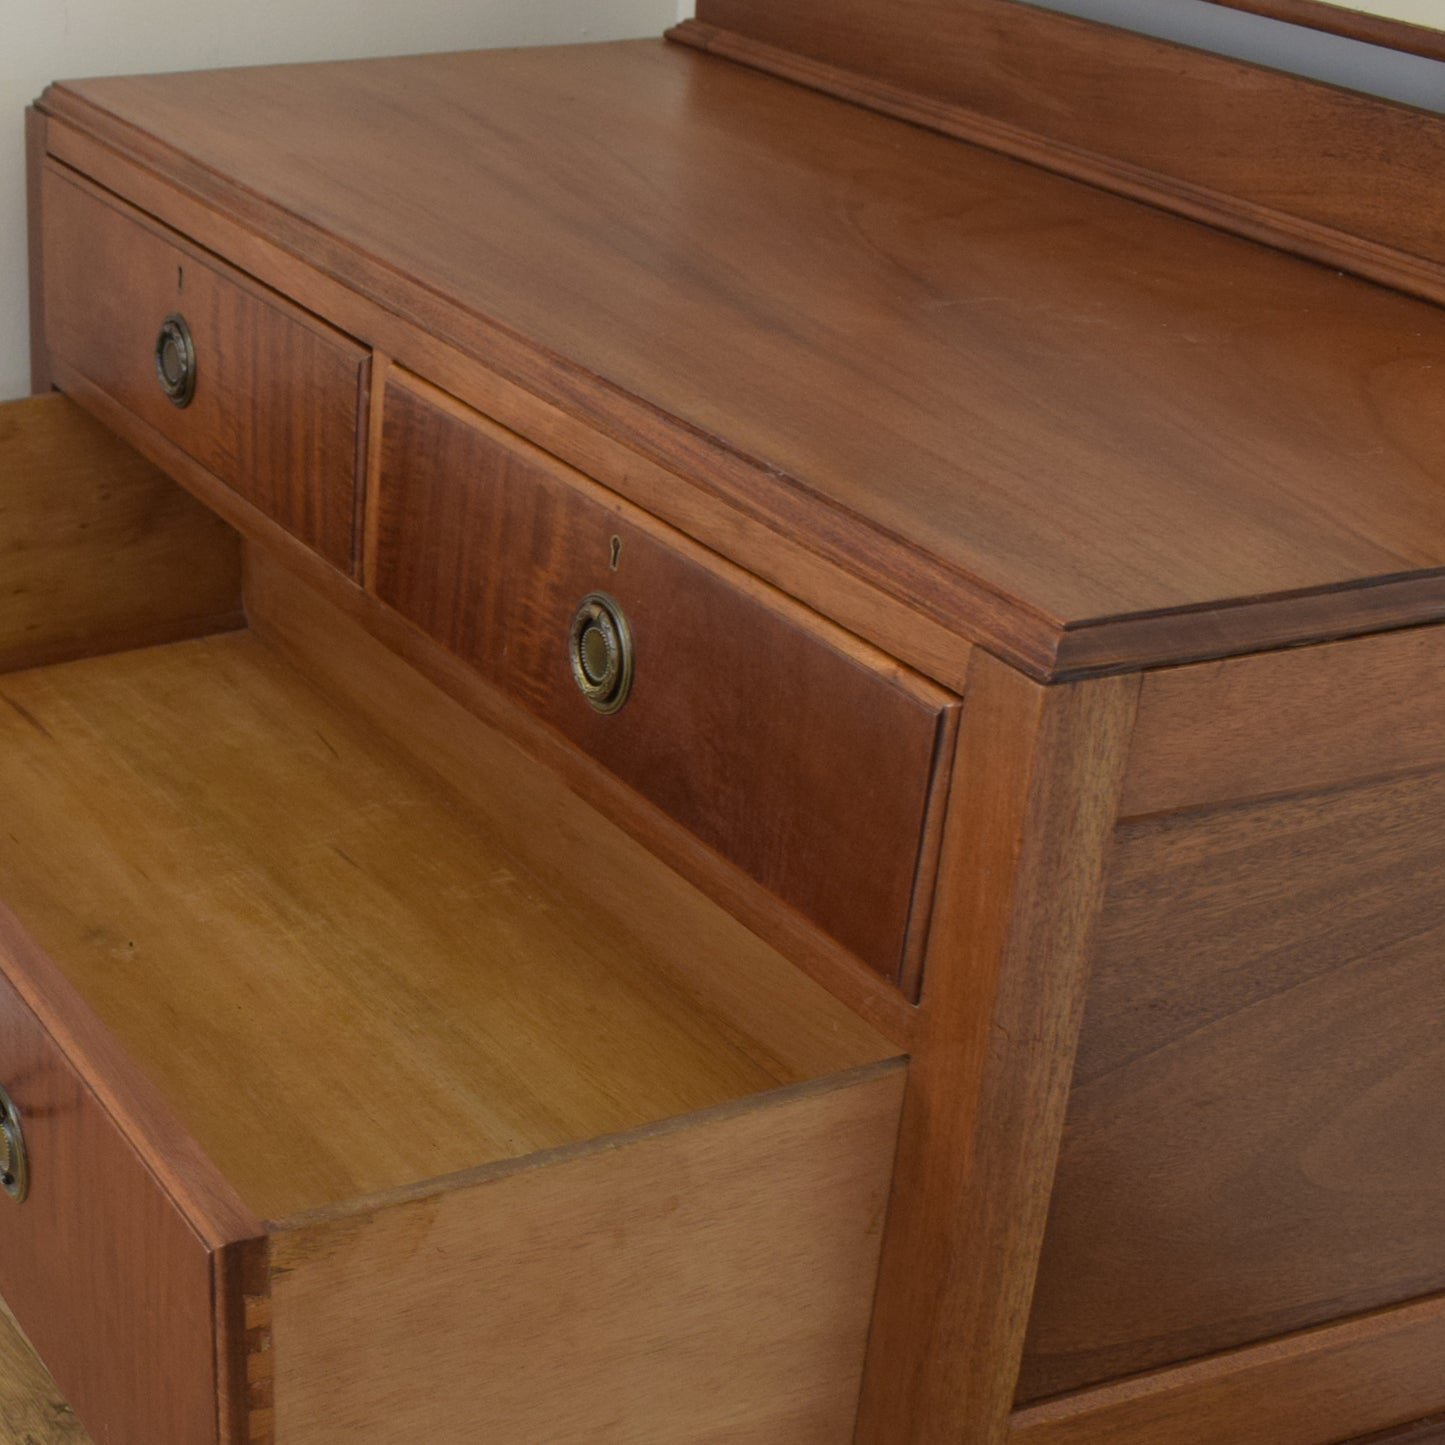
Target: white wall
44	40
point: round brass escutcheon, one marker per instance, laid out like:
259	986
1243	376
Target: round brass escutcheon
176	360
14	1162
601	648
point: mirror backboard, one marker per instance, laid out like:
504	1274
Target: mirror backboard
1414	25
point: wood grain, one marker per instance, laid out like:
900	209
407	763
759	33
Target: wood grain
35	124
103	1270
705	1281
32	1409
204	792
1352	23
804	944
1254	1140
1030	820
1037	531
1304	1389
98	550
755	724
1298	721
576	852
1329	173
276	404
1422	1432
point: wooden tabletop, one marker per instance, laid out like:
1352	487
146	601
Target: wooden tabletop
1067	425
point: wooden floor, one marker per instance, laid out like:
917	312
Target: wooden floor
32	1411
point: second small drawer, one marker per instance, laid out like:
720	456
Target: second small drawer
803	756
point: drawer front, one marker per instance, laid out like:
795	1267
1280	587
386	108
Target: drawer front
802	756
98	1265
275	405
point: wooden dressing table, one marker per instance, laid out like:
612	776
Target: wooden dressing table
776	775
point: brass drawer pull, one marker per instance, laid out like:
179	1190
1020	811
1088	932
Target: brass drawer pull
14	1163
176	360
601	649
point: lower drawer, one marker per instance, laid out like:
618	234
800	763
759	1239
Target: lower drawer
344	1127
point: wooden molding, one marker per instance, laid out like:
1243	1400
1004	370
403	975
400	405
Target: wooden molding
1365	1374
1342	178
1352	24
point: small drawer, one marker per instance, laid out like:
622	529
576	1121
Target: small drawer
803	756
262	395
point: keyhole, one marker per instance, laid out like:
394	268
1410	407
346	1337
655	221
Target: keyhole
616	552
180	278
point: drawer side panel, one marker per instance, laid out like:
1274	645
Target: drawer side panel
704	1280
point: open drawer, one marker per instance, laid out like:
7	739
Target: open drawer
360	1107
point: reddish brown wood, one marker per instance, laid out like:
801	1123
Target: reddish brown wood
1304	1389
1421	1432
34	163
1254	1140
110	1263
1288	722
1034	796
765	732
276	403
1110	527
1328	173
1343	19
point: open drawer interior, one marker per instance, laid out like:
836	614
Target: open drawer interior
526	1123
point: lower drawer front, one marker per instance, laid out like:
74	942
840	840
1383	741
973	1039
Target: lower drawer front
99	1266
800	754
276	393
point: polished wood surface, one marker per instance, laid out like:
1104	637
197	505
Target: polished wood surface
275	409
1034	799
1304	1389
693	1283
98	550
204	792
1254	1140
1342	177
1288	722
961	286
102	1268
755	724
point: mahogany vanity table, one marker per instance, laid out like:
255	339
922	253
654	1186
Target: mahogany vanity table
752	750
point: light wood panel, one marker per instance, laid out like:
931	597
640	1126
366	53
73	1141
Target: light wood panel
1338	176
340	980
1355	1376
1030	820
277	398
1109	527
757	725
1288	722
1254	1141
98	550
703	1282
32	1409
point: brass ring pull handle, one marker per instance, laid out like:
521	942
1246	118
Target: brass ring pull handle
176	360
601	649
14	1163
